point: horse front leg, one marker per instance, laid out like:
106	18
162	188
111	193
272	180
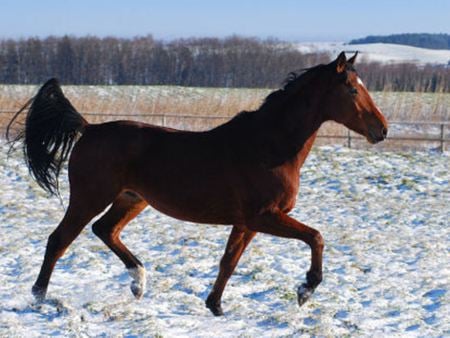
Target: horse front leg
237	242
280	224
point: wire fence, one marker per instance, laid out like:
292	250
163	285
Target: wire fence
402	134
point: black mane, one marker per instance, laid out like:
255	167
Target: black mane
294	83
265	135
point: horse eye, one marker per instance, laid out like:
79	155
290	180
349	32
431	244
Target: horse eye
353	91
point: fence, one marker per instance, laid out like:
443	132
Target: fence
405	132
399	131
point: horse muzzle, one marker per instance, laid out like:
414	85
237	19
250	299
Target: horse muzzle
377	134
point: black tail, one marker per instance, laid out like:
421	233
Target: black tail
51	128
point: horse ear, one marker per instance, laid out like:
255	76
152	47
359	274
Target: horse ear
353	58
341	62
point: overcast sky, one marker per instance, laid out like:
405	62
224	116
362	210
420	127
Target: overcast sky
310	20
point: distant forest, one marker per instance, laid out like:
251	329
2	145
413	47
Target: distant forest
205	62
423	40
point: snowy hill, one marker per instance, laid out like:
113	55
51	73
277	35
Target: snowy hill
381	52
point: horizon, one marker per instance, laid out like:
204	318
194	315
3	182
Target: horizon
286	20
261	38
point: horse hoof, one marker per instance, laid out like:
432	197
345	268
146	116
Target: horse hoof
138	284
38	292
215	307
137	290
303	293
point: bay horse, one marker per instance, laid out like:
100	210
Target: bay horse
243	173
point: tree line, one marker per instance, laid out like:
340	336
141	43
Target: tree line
207	62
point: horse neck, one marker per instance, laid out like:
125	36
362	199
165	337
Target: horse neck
290	128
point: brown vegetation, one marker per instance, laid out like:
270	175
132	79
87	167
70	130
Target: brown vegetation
177	106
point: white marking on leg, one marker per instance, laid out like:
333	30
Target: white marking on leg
139	281
304	292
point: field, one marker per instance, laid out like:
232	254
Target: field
384	217
204	108
143	100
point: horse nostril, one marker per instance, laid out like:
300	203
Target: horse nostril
384	132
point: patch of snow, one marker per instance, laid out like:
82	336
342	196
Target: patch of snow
380	52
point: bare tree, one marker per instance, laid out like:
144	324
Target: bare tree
230	62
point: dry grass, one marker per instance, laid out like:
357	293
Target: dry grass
218	104
138	102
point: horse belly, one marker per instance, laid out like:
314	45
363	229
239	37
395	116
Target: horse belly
193	206
202	196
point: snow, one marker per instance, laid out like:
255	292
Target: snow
384	217
380	52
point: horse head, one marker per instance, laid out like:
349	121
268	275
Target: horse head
350	103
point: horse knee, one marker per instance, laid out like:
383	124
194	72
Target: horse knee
56	242
318	241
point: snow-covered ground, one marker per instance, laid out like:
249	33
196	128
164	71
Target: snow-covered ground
384	217
381	52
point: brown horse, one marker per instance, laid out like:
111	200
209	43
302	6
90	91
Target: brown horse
243	173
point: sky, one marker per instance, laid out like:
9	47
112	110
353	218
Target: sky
301	20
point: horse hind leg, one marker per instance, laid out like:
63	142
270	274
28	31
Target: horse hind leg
79	212
108	228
